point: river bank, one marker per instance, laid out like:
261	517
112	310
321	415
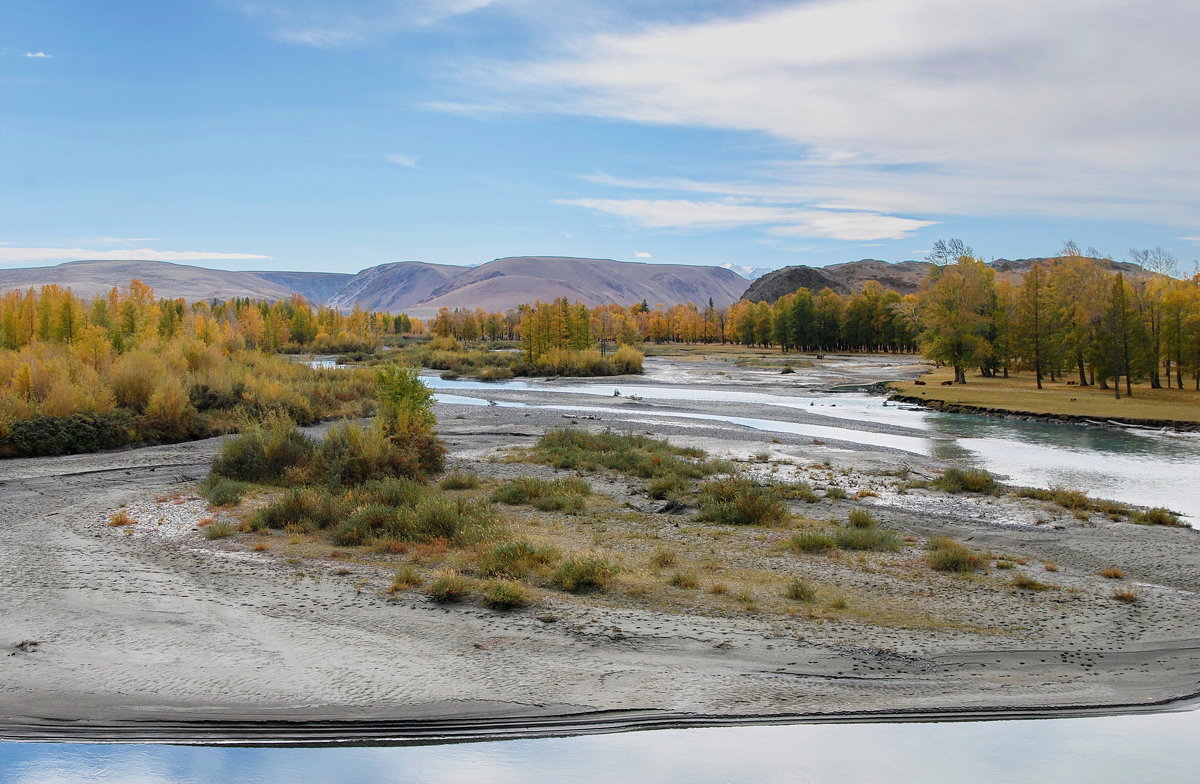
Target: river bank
152	631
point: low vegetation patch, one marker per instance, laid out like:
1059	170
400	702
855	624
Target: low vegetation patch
626	453
970	480
505	595
448	586
584	573
460	480
219	531
800	591
557	495
1112	573
221	491
1156	516
737	501
947	555
811	542
516	560
1129	594
877	539
1027	583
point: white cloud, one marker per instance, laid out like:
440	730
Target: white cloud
641	254
38	55
30	255
333	24
105	240
1048	107
782	221
400	159
1191	239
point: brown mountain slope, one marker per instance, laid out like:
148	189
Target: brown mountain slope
392	287
90	278
316	287
507	282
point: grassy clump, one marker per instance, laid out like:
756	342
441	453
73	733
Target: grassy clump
264	452
1027	583
877	539
662	558
1156	516
971	480
405	577
799	491
449	587
558	495
800	591
861	518
947	555
303	508
221	491
686	580
504	595
584	573
670	487
1112	573
835	493
516	560
1129	595
219	531
120	519
737	501
635	455
460	480
811	542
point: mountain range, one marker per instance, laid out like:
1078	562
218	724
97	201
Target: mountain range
413	287
421	289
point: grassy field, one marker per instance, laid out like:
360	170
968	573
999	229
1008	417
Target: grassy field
1020	393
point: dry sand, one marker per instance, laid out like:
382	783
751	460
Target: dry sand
153	632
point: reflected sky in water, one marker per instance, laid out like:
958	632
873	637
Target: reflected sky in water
1157	747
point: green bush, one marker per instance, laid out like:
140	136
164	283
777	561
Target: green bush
545	494
516	560
69	435
880	539
669	487
460	480
449	587
504	595
811	542
861	518
739	501
584	573
305	508
220	491
835	493
264	452
219	531
1156	516
799	491
971	480
949	556
800	591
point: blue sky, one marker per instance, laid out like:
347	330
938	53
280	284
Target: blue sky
320	135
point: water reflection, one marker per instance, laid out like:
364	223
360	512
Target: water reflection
1106	749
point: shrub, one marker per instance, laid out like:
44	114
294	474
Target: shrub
811	542
662	558
1027	583
264	452
393	491
527	490
170	416
947	555
219	531
406	577
120	519
305	508
800	591
1111	573
494	373
351	454
504	595
583	573
971	480
632	454
68	435
460	480
835	492
220	491
684	580
448	587
739	501
799	491
669	487
879	539
1156	516
1127	595
861	518
627	359
516	560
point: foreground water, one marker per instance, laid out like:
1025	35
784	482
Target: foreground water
1132	466
1144	748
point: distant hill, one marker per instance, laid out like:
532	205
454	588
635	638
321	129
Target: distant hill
415	287
392	287
506	282
90	278
906	277
316	287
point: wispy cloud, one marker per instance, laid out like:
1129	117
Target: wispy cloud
780	221
917	107
106	240
400	159
334	24
38	55
641	254
31	255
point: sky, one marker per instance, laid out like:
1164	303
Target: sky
334	136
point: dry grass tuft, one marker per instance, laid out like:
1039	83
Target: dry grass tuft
1111	573
121	518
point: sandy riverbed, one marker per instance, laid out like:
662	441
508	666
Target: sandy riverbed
154	632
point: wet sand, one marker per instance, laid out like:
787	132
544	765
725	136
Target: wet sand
161	635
